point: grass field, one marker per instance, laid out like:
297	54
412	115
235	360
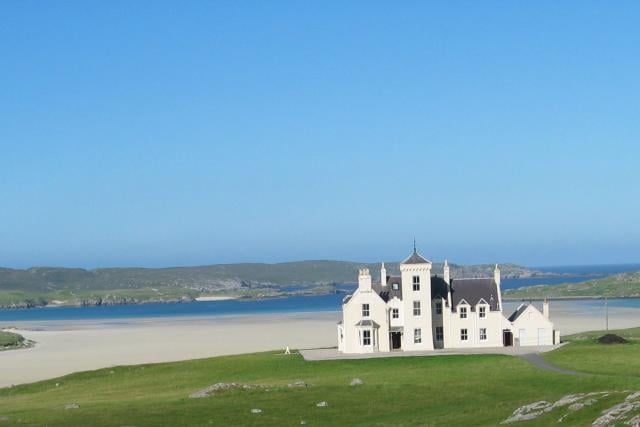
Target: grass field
412	391
587	355
619	285
9	340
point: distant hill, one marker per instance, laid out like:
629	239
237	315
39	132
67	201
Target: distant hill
619	285
45	285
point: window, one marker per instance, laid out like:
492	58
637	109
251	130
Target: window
483	334
417	336
366	337
365	310
395	313
439	333
463	335
463	312
482	311
395	286
416	283
438	308
416	308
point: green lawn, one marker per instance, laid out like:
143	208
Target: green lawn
9	339
585	354
412	391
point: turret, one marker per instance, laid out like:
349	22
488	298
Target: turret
364	280
383	275
447	277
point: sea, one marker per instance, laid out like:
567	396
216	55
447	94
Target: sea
292	304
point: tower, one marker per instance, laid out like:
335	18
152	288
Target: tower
415	272
383	275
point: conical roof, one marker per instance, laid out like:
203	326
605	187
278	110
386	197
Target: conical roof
416	258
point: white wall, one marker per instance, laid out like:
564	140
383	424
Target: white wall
411	322
532	328
352	314
494	323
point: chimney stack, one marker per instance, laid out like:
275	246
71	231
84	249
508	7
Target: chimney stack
545	308
364	280
447	277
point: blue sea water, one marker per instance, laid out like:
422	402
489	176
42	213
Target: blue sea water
295	304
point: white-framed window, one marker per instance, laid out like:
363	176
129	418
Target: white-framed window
395	313
439	307
366	337
483	334
463	312
395	286
482	311
365	310
416	308
439	333
464	335
417	336
416	283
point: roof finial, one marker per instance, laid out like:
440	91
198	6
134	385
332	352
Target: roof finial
414	244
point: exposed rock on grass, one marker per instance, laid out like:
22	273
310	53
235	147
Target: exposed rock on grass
612	339
322	404
221	387
71	406
298	384
626	412
356	381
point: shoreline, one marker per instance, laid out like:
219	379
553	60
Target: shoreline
570	298
60	304
67	346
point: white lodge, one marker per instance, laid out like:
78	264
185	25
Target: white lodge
417	311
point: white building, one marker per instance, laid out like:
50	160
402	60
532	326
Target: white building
418	311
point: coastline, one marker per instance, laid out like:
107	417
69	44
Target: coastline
66	346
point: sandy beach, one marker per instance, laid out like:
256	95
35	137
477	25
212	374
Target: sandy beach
63	347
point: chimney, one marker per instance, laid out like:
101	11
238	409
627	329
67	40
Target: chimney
545	308
364	280
496	277
383	275
447	277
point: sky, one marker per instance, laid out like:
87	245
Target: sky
188	133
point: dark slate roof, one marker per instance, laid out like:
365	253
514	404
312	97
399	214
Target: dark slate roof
473	290
439	288
521	309
416	258
387	292
367	322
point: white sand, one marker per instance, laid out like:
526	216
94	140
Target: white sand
214	298
64	347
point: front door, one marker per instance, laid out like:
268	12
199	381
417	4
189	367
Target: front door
507	338
396	340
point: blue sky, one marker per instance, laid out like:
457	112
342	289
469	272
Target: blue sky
163	133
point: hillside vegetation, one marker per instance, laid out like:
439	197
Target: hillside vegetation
478	390
619	285
45	285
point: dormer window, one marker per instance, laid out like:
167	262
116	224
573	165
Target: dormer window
395	286
416	283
